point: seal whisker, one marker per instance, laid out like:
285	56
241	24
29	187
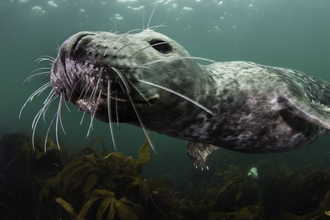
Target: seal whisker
117	115
47	133
84	91
178	94
121	37
123	79
40	113
82	118
179	58
37	74
35	120
141	122
98	84
109	115
67	107
106	42
93	116
152	14
34	94
154	28
42	68
74	88
58	119
126	45
47	102
52	96
46	58
90	127
141	94
124	35
141	66
106	51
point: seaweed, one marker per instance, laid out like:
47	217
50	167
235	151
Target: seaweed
251	212
24	171
106	186
239	190
109	208
97	184
91	185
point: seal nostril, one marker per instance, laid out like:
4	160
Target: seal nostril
161	46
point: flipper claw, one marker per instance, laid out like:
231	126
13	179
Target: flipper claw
198	153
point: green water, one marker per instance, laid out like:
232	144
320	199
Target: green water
293	34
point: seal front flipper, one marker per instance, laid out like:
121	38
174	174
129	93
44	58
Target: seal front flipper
198	153
313	112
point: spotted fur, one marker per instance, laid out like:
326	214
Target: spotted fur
241	106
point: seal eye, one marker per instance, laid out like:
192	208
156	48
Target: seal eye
161	46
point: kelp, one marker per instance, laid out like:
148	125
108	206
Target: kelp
91	185
19	157
251	212
24	171
106	186
97	184
278	194
322	212
238	190
109	207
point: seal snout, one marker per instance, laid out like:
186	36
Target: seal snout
92	66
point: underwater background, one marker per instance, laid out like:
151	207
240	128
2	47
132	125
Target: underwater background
292	34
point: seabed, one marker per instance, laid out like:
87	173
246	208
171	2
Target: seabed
102	185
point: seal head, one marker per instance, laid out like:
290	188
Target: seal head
89	63
147	79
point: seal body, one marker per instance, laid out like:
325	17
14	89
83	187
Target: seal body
147	79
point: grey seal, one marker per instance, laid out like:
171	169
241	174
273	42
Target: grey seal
149	80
